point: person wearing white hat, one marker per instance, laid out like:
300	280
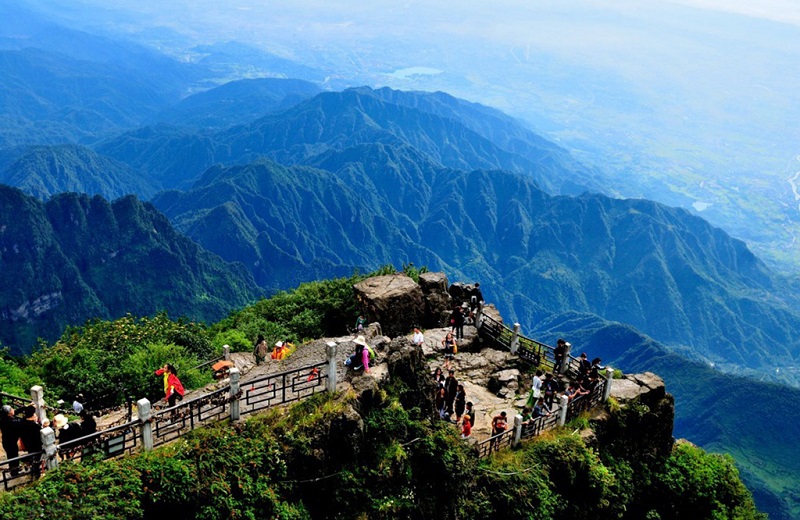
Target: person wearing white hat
66	431
360	359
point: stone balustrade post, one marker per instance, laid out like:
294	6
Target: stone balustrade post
146	426
562	410
226	352
479	316
515	339
609	378
234	386
330	350
517	430
37	396
49	448
567	361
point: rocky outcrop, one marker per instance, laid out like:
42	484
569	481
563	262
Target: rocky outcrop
396	301
438	303
407	364
642	423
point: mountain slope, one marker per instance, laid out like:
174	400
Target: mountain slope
42	171
76	258
237	102
666	272
722	413
334	121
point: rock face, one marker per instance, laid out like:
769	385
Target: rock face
438	303
644	423
407	363
394	300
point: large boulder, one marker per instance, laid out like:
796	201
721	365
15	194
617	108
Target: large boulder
394	300
438	303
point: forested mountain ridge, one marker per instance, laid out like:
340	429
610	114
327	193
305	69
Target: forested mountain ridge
334	121
74	258
660	269
43	171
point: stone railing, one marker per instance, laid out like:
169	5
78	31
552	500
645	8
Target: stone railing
567	410
541	355
154	428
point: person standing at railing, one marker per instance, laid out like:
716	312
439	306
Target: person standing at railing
558	355
549	387
540	410
584	366
10	430
173	388
536	389
499	425
31	437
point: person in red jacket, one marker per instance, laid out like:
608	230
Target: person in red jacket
173	388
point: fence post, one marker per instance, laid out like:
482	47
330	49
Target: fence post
517	430
515	339
146	427
37	396
479	316
226	352
49	448
562	411
234	383
567	361
607	389
331	352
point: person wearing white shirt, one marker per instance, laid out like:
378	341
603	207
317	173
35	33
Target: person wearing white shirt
418	339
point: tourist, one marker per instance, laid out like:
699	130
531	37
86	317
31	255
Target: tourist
476	297
67	431
540	410
451	389
449	347
173	388
549	388
418	338
438	377
584	366
260	349
460	402
361	322
499	424
466	426
457	322
558	355
77	404
594	371
470	410
280	351
31	437
10	430
360	358
88	424
536	389
441	399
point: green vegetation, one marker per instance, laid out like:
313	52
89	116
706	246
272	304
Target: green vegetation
387	462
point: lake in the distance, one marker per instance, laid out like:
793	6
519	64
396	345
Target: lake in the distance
415	71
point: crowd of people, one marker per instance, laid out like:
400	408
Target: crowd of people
21	431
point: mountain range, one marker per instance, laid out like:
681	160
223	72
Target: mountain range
275	182
77	258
